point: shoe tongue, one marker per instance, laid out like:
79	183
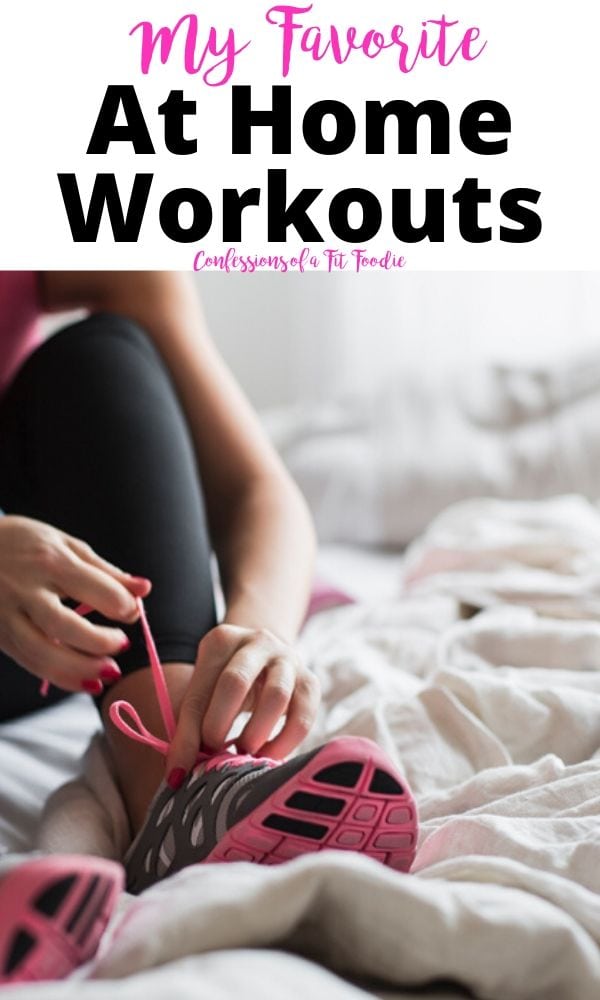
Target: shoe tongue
227	758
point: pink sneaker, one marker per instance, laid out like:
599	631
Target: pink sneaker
346	795
54	912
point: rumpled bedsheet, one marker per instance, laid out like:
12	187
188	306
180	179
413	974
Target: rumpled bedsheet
481	680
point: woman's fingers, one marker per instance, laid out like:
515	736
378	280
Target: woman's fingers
41	564
239	668
280	677
137	585
86	583
59	665
301	714
230	693
67	627
214	651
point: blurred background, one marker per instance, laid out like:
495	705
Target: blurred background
300	338
391	397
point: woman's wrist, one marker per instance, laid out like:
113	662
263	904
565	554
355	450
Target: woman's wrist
252	610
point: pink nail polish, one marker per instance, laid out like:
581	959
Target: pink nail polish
92	687
125	646
176	778
110	674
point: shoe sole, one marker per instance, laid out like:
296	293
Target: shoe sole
347	797
54	912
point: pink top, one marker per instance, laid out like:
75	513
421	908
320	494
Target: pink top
20	313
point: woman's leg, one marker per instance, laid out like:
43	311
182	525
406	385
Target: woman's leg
93	441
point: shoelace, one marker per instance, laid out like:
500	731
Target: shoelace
143	735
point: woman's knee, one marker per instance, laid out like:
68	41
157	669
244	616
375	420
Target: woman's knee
102	349
107	332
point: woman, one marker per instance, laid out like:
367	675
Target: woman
105	433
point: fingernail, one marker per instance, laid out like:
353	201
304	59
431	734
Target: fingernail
176	778
126	644
110	673
140	581
92	687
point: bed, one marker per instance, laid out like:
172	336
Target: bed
471	653
473	659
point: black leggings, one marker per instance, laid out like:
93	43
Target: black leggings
93	441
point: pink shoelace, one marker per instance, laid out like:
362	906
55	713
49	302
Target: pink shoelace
119	708
140	733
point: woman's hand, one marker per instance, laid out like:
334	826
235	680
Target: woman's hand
242	669
39	565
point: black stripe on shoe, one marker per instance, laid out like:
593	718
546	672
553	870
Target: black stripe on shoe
344	774
315	803
22	944
51	899
298	827
83	903
383	784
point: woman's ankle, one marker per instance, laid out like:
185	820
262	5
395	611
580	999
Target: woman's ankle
140	769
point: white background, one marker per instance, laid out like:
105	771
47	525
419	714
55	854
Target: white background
58	58
305	340
309	339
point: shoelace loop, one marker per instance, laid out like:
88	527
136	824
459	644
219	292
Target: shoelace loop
119	709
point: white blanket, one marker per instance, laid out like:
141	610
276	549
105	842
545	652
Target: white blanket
495	720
